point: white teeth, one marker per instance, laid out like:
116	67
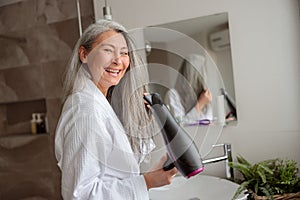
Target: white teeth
113	70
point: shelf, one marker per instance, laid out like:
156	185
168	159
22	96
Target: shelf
17	135
21	102
16	116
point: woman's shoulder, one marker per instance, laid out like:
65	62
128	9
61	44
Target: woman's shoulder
86	102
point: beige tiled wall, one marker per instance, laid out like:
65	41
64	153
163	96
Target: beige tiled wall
36	38
28	168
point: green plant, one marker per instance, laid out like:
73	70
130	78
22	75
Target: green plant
267	178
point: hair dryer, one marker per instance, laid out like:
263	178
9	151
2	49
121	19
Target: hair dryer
230	103
182	151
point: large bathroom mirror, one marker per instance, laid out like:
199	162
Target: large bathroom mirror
199	40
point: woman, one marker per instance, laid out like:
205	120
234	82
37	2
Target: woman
104	131
190	99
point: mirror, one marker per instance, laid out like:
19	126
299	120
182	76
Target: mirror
202	39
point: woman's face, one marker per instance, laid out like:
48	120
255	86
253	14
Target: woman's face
108	60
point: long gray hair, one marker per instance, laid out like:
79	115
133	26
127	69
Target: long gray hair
191	81
87	39
126	98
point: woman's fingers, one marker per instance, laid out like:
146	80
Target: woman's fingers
159	164
173	172
159	177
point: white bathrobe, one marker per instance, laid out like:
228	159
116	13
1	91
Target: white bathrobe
93	151
172	99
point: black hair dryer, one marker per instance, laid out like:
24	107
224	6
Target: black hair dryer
182	151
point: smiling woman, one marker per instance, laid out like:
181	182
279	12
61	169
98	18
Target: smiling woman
105	131
107	61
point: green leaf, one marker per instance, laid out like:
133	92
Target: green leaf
266	192
240	189
244	169
266	168
242	160
262	176
269	177
255	189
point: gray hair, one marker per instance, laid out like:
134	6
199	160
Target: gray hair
87	39
126	98
191	80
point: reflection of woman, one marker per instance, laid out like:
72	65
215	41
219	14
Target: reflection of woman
98	145
190	98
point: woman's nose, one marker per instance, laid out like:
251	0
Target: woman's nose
117	59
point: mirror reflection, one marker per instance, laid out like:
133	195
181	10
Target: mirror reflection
190	65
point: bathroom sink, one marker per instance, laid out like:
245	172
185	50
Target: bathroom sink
200	187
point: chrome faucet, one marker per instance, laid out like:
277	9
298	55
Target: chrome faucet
227	157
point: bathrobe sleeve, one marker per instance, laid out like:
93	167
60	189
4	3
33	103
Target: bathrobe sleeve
206	113
172	99
85	149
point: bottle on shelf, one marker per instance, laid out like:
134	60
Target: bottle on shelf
34	123
46	123
41	126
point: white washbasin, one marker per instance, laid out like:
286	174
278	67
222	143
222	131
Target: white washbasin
200	187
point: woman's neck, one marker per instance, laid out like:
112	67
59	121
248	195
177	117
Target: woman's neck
103	90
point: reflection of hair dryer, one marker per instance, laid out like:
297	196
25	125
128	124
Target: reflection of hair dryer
182	152
230	103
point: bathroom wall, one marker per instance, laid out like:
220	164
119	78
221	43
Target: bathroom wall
36	38
265	49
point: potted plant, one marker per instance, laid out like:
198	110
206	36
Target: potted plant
269	179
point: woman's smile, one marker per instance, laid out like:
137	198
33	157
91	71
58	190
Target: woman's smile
113	72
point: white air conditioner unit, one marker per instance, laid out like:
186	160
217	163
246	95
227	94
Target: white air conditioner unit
219	41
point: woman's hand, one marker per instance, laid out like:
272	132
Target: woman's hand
147	106
204	99
157	176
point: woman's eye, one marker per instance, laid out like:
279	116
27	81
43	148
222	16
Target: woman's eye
125	53
108	50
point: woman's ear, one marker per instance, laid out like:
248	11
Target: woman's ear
82	52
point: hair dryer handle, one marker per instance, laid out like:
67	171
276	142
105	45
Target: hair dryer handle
169	164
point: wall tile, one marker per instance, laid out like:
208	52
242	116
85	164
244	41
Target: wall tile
38	37
26	82
23	168
7	94
30	186
26	154
31	46
19	16
44	45
53	77
68	30
3	120
54	107
31	13
13	54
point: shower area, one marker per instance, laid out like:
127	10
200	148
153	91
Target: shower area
36	39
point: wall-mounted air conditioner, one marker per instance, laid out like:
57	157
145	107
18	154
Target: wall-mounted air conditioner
219	40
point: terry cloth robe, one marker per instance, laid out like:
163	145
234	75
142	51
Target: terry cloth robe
93	151
173	101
